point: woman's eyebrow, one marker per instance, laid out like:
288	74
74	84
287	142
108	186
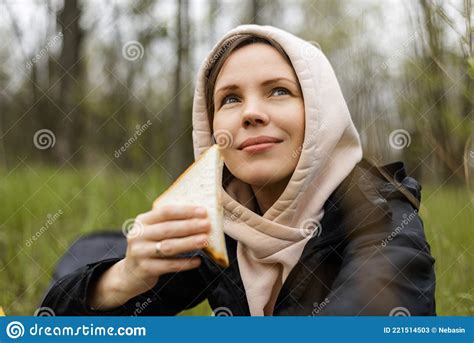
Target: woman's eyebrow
225	88
264	83
277	79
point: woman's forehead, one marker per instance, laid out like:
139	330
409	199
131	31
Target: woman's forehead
258	61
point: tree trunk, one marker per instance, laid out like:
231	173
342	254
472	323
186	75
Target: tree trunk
69	69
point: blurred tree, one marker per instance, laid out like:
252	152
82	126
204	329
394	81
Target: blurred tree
262	12
438	103
69	69
340	30
93	98
256	7
179	151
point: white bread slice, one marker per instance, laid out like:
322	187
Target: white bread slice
201	185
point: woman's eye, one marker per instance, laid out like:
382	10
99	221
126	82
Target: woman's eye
229	99
280	91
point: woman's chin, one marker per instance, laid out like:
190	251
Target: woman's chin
261	179
260	171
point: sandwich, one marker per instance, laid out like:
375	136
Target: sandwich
201	185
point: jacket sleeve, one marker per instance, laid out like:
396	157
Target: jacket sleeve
387	268
172	294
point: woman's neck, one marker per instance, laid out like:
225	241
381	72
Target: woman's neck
268	194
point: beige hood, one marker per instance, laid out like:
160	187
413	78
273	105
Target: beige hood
270	245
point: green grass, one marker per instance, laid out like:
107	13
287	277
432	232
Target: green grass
92	200
449	225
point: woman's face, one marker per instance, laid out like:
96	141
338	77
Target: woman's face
257	94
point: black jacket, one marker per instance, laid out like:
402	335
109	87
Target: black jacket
371	258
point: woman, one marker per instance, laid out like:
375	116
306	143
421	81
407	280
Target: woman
311	227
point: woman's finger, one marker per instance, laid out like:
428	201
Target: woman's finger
174	246
171	212
168	247
175	229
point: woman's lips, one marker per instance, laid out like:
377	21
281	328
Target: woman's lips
257	148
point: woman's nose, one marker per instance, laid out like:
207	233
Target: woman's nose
254	115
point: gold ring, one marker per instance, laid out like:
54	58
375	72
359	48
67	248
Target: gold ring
158	249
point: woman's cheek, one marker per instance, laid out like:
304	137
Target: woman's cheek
225	132
294	121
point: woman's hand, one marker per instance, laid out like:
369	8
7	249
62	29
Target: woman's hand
155	239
